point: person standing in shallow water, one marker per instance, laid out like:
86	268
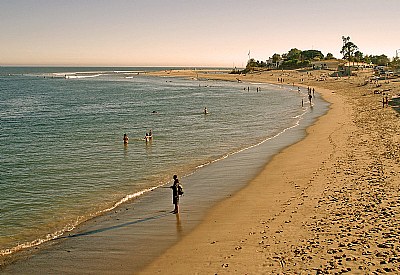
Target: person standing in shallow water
126	139
175	194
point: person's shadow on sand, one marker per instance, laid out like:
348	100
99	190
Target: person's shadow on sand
119	226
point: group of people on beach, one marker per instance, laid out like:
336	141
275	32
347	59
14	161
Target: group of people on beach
311	94
177	189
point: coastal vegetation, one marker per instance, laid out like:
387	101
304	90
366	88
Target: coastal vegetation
295	59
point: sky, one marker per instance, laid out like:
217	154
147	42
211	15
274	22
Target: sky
203	33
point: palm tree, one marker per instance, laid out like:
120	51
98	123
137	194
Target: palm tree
348	49
345	40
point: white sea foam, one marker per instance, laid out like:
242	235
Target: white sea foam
72	226
297	123
48	237
82	76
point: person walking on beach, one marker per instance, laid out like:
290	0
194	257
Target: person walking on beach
385	101
176	192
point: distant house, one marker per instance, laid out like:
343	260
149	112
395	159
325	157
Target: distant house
270	63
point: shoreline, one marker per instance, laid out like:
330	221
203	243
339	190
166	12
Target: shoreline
231	223
317	207
35	257
293	217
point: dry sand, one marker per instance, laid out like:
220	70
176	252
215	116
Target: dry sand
329	204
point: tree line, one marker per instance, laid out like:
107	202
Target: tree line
351	53
296	58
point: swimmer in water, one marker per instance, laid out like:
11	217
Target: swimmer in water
126	139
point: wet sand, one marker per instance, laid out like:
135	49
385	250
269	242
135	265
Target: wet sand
329	204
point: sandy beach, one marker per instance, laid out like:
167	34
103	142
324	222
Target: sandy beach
327	205
280	119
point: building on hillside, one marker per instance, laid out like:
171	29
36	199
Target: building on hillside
270	63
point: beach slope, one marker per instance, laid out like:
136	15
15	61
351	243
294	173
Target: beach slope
327	204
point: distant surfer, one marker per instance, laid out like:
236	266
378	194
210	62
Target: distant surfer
126	139
205	110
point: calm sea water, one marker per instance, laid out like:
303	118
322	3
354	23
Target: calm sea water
62	159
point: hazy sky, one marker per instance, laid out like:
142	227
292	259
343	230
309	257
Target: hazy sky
189	33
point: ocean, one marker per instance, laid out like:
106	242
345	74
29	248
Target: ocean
62	156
